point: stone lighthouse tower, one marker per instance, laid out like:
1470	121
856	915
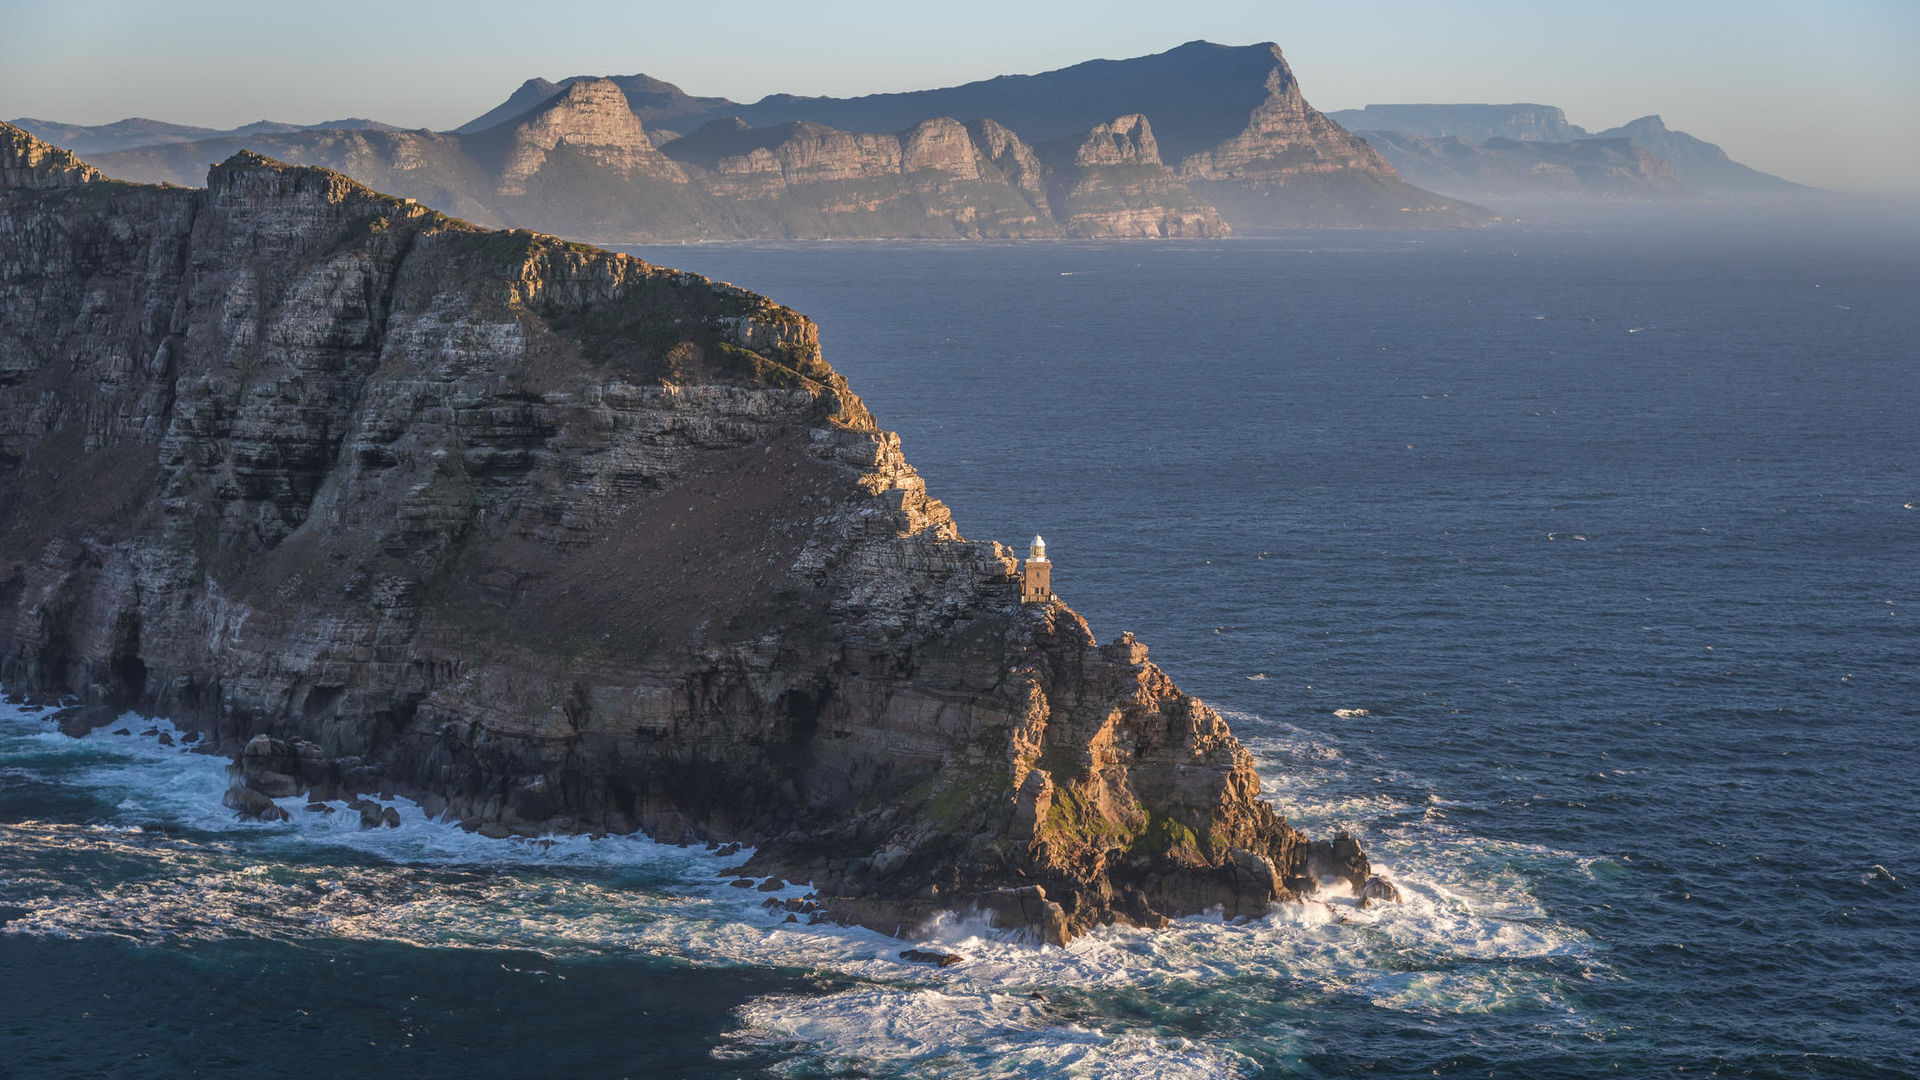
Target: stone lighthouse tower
1036	575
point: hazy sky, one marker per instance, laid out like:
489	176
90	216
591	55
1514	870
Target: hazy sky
1822	93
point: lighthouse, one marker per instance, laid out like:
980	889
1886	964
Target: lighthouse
1036	575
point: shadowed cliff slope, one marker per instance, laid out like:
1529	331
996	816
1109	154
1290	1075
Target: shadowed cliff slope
552	539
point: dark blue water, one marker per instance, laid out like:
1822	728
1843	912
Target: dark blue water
1575	572
1612	535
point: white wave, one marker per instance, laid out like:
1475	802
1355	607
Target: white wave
178	787
936	1032
1450	947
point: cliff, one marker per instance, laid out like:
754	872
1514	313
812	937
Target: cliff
582	164
1111	181
1236	144
809	180
27	164
548	538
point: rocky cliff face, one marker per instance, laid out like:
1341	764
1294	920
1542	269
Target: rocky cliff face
1290	166
582	164
26	163
591	119
1232	141
548	538
1110	181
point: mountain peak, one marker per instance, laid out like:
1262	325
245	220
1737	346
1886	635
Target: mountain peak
1125	140
589	117
249	174
590	94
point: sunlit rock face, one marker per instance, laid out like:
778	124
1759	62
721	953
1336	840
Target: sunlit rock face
1110	181
591	120
549	538
1192	142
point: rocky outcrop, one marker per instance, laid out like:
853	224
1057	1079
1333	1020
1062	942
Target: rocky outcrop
1015	159
26	163
547	538
589	120
1110	182
809	180
1125	141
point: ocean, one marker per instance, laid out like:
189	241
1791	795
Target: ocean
1577	572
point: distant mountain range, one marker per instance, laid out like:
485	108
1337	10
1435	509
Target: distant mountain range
1196	141
1501	169
1528	151
1472	123
138	131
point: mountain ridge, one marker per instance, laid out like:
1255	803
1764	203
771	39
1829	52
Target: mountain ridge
1702	164
1236	143
1697	164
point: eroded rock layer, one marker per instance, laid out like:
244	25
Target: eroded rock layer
549	538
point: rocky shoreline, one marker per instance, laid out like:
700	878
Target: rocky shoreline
548	539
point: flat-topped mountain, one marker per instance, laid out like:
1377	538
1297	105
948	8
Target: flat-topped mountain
1234	144
1473	123
551	539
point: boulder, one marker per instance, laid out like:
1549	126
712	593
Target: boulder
1026	908
373	815
1379	888
252	805
78	721
925	956
1338	859
270	767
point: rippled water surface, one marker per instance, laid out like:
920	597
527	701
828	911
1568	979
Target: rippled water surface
1575	572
